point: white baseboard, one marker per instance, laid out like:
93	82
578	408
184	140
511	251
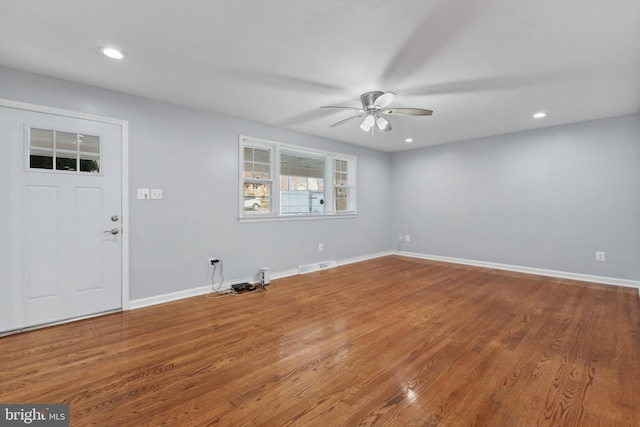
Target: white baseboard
528	270
364	258
173	296
202	290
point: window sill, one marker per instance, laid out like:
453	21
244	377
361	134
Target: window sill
270	218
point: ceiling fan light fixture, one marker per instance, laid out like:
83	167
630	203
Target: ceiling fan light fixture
368	123
383	124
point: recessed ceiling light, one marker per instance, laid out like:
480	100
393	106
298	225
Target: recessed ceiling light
112	53
408	140
539	115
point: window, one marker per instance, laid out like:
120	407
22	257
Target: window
257	181
285	181
342	189
301	183
63	151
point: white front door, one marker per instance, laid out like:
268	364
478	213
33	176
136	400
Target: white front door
60	218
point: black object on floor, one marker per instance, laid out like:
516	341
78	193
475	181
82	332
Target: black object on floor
243	287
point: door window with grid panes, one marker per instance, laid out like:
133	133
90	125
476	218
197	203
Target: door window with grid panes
63	151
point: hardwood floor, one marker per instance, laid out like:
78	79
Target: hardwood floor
393	341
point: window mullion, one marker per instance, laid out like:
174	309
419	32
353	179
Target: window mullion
275	173
329	179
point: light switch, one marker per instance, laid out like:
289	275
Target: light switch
156	193
143	193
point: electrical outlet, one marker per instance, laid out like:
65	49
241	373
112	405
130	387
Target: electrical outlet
407	238
320	247
599	256
156	193
213	261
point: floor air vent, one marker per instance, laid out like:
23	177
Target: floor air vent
309	268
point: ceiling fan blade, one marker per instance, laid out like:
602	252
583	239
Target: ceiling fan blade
383	124
368	123
344	108
341	122
407	112
384	100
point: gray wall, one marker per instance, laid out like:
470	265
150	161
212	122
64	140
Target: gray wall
547	198
193	157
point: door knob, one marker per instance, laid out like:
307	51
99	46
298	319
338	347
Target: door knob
112	231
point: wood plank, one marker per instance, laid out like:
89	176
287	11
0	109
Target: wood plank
391	341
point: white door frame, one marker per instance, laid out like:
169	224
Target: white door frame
124	126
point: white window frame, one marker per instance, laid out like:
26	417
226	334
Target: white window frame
274	174
349	186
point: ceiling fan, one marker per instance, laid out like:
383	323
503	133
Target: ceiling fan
374	108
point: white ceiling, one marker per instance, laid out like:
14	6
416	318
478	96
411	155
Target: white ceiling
484	67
